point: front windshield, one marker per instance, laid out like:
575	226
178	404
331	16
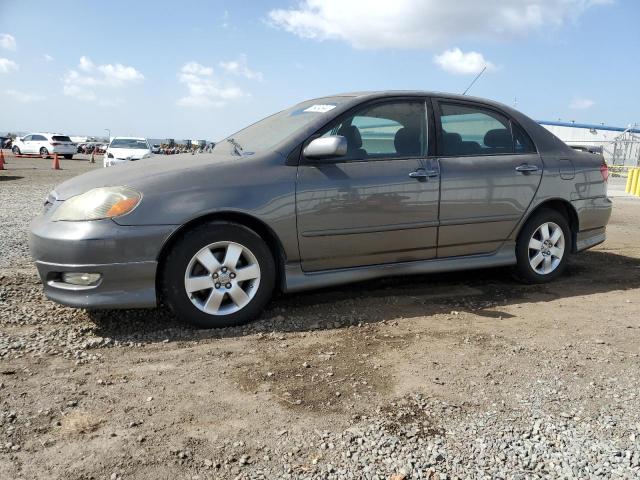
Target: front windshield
129	143
268	132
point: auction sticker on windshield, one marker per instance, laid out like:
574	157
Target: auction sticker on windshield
320	108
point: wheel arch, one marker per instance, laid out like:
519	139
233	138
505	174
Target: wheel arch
566	209
241	218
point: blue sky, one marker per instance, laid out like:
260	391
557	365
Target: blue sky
195	69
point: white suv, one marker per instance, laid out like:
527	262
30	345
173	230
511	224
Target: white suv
44	144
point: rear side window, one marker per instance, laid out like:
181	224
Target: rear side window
61	138
386	130
471	130
522	142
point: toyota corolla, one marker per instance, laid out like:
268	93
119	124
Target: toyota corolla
333	190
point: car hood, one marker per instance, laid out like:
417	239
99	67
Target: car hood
128	152
138	175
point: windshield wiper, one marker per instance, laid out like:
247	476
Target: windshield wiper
236	146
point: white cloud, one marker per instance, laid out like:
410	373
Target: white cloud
23	97
460	63
118	74
581	103
240	67
86	65
195	68
7	65
423	23
82	85
204	90
7	42
48	57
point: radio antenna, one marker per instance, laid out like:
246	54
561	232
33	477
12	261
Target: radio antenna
474	80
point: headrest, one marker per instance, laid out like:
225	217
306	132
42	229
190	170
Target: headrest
352	134
451	138
407	141
498	138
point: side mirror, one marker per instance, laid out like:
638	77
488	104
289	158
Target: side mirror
326	147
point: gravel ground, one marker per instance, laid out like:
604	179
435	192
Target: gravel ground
468	375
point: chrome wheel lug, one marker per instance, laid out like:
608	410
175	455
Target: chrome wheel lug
228	285
218	285
224	269
233	275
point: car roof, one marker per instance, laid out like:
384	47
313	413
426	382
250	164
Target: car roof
372	94
46	133
128	138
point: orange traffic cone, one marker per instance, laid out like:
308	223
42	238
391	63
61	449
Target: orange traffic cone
1	160
56	163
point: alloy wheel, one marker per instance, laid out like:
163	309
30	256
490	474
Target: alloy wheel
546	248
222	278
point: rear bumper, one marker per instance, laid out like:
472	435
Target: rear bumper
63	150
593	216
124	256
590	238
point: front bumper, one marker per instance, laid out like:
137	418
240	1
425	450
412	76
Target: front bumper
124	256
110	162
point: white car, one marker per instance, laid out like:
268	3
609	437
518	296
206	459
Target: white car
126	149
44	144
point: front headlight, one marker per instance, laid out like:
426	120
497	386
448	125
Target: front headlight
98	203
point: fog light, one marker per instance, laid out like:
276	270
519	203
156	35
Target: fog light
80	278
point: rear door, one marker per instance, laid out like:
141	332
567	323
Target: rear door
377	204
490	172
39	141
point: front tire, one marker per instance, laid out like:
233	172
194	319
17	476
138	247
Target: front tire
68	157
16	151
543	247
219	274
44	153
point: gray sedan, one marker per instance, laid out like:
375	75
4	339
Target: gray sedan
333	190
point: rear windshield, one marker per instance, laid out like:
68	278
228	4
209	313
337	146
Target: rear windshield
129	143
61	138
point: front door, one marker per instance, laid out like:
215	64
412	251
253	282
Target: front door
490	172
379	203
27	144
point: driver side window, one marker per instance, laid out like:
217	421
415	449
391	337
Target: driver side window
386	130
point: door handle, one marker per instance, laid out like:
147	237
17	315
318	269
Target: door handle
526	168
422	174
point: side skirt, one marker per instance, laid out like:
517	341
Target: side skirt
296	280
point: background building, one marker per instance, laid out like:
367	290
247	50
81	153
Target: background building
620	146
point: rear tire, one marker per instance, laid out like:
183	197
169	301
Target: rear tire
44	153
220	274
543	247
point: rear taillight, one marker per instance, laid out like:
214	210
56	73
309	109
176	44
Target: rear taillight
604	171
53	144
